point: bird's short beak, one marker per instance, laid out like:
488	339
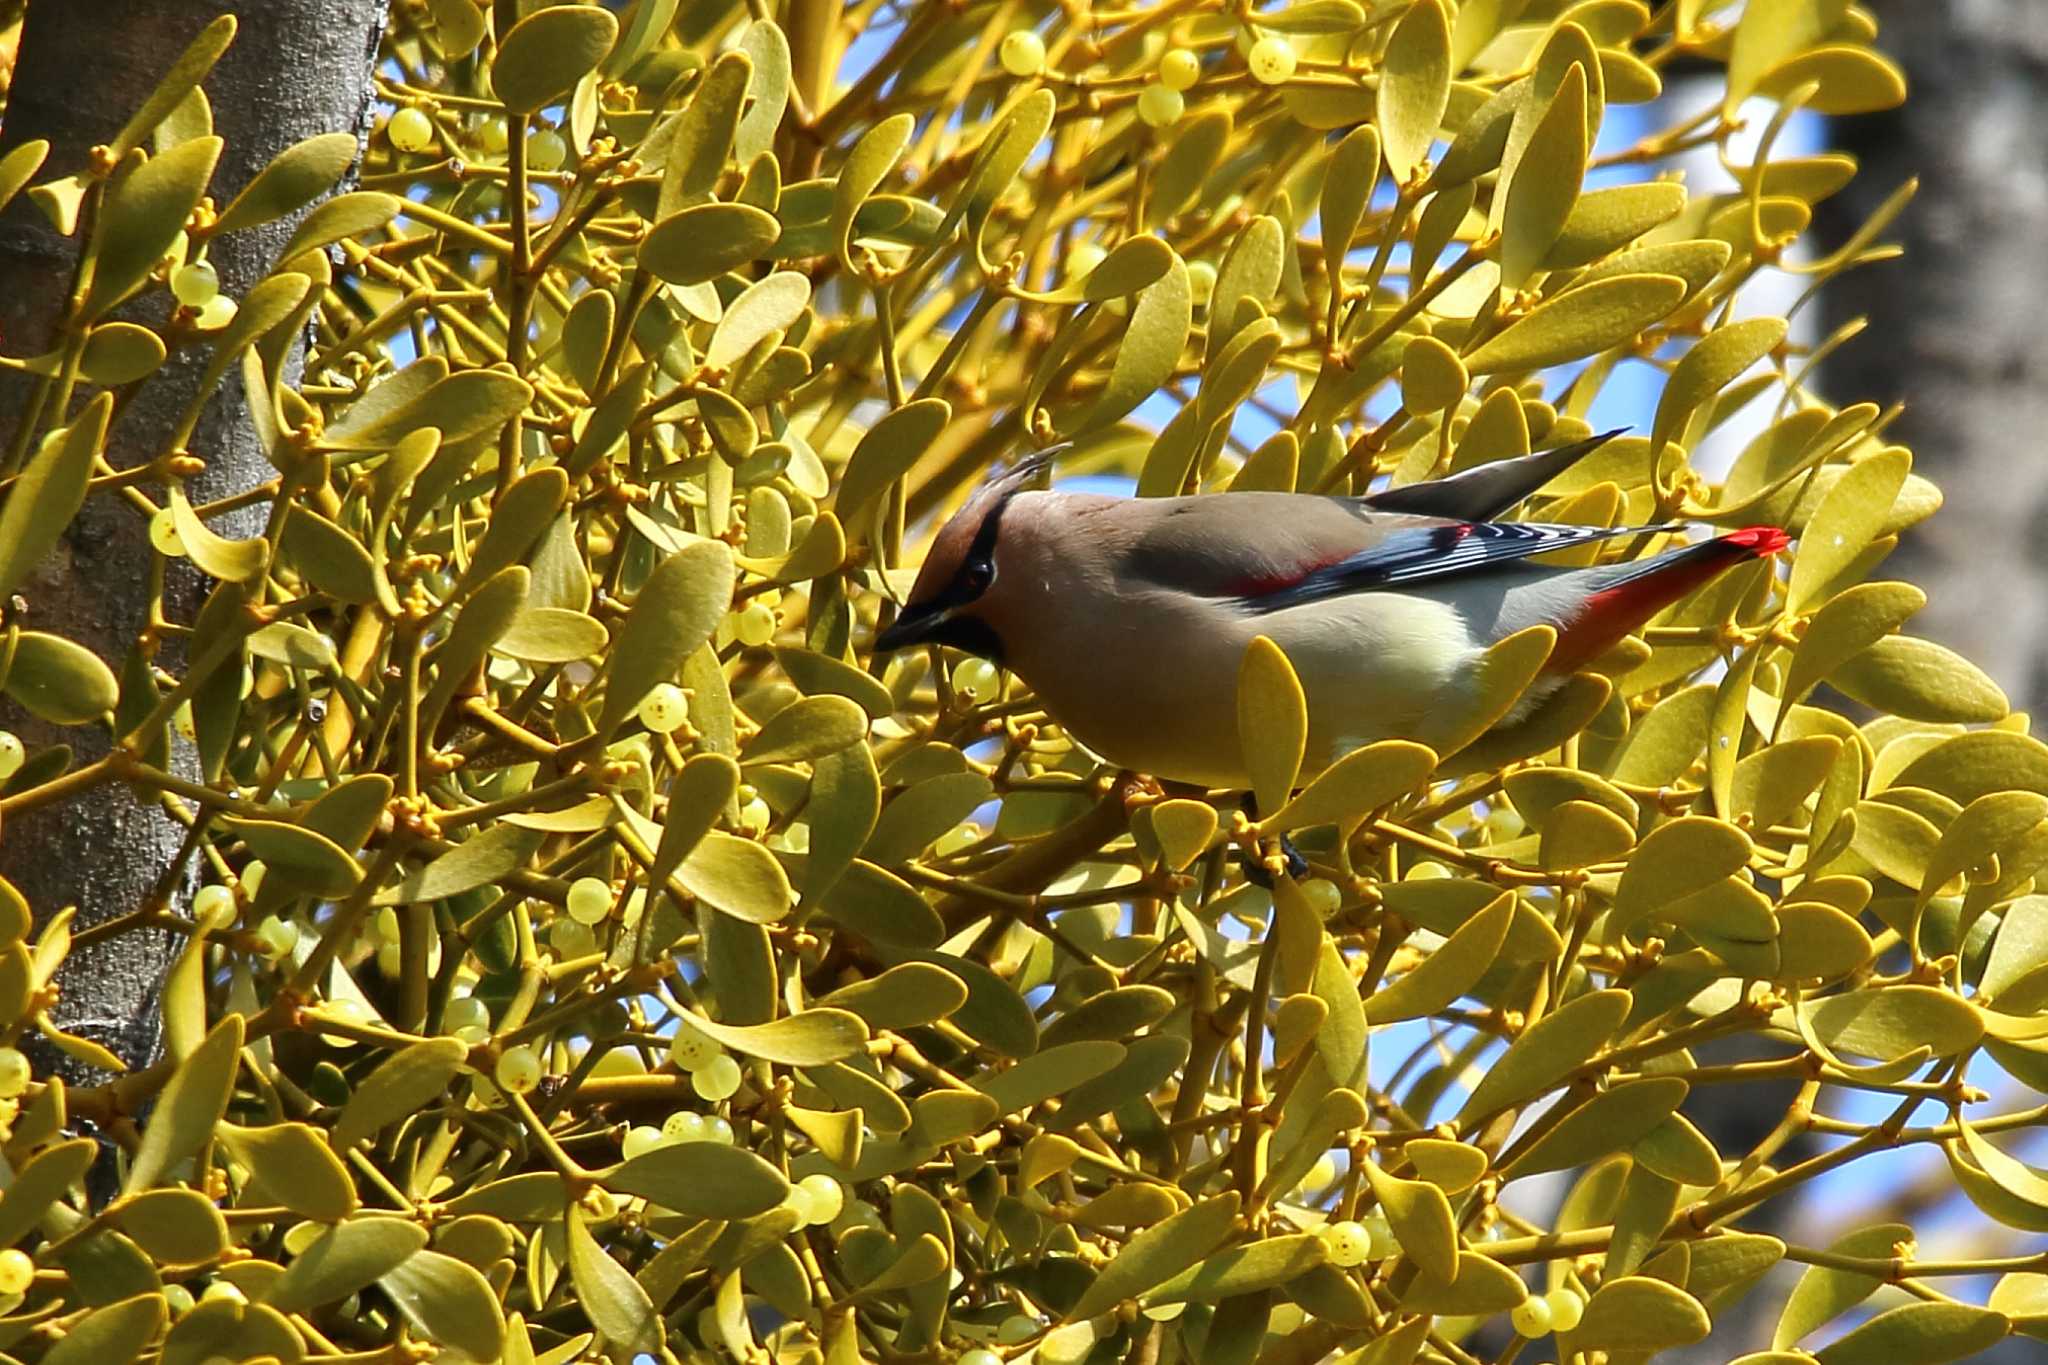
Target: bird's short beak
916	626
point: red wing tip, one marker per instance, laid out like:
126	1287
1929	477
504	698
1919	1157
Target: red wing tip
1759	540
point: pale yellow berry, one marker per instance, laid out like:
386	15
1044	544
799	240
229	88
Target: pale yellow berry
717	1080
1348	1243
755	816
1271	61
1531	1317
492	136
980	1355
12	754
977	680
14	1072
719	1131
1201	281
1566	1308
639	1141
1159	107
684	1125
214	906
1384	1243
1022	53
824	1197
195	284
410	130
164	537
17	1272
277	937
590	900
1018	1327
664	708
217	313
1179	69
546	150
690	1049
178	1299
755	625
223	1291
518	1069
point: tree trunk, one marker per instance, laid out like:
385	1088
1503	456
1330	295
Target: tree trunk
1955	330
296	68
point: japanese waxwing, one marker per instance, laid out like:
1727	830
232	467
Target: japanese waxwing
1129	617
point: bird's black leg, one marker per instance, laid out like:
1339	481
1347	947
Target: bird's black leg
1297	866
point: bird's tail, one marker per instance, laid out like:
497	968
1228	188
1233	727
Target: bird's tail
1626	595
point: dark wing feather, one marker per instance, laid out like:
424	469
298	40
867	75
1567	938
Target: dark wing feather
1485	491
1425	553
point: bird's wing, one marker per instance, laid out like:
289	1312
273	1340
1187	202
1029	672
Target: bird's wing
1485	491
1417	555
1270	551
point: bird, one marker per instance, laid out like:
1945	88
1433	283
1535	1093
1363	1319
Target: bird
1129	618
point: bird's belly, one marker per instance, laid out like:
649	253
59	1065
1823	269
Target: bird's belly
1163	700
1375	666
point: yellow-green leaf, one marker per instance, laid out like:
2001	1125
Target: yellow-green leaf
543	55
1578	323
1447	973
1545	183
1415	86
677	609
1920	680
1421	1217
190	1106
47	494
293	1166
1555	1046
294	178
449	1301
701	1179
1272	722
1640	1313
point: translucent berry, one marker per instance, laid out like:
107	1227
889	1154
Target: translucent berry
685	1125
690	1049
14	1072
1022	53
824	1197
466	1012
217	313
719	1131
980	1355
590	900
640	1140
214	906
1179	69
223	1291
195	284
163	535
1271	61
977	679
178	1299
546	150
717	1080
1201	281
571	940
518	1069
1348	1243
1323	896
12	754
410	130
492	136
1566	1308
1531	1317
1159	107
755	625
664	708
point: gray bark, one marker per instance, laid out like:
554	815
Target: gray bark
1955	328
296	68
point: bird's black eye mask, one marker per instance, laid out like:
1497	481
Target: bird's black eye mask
929	622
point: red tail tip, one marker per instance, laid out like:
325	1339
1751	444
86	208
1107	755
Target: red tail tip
1759	540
